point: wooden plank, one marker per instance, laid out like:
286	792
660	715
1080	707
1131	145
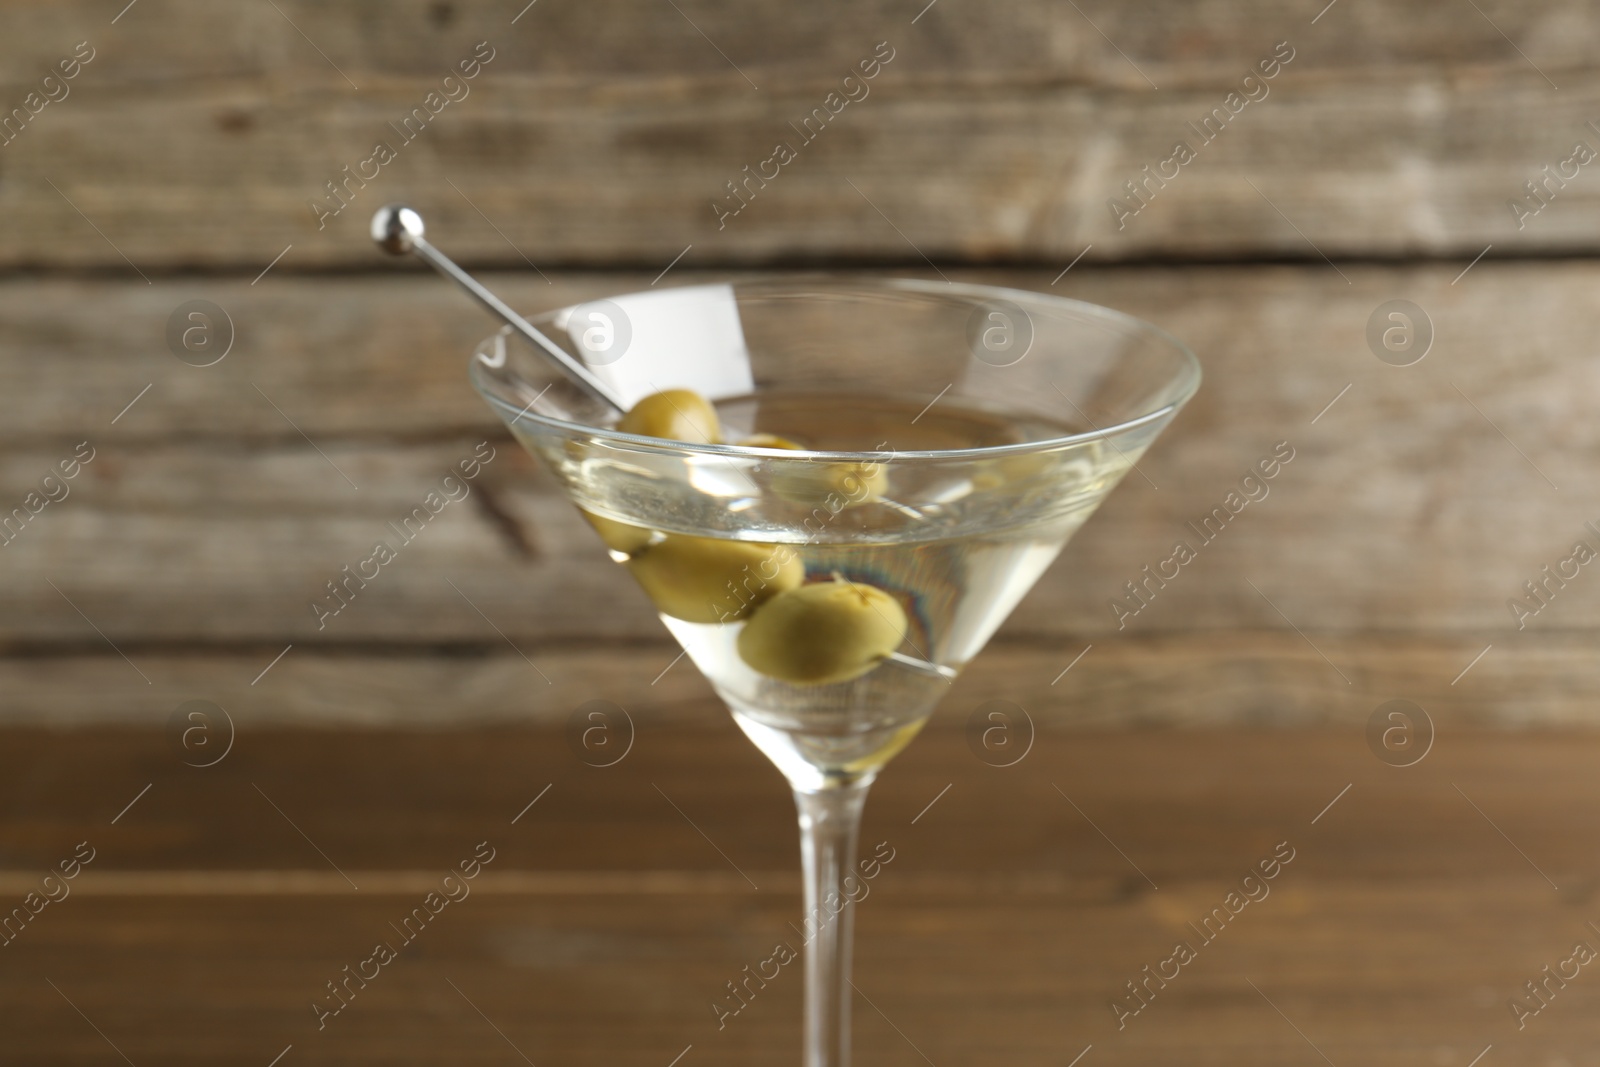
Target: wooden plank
226	178
1417	501
1182	804
617	45
1189	680
1371	975
375	356
1005	925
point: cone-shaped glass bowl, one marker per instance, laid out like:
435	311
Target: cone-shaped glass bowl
914	455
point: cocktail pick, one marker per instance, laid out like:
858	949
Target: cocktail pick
398	229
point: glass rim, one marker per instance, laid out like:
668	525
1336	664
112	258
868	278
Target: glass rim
798	283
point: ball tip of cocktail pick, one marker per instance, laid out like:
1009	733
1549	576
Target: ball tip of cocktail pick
396	227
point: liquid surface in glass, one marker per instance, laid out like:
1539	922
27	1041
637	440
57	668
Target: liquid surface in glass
955	545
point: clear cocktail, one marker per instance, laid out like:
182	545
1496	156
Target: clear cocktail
889	468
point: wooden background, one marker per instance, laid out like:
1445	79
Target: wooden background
584	162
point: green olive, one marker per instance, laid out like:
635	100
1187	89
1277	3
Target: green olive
823	632
891	747
1009	470
1064	469
704	579
854	483
676	415
620	536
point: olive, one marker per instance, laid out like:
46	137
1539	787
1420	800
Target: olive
856	483
1066	469
705	579
1008	471
823	632
620	536
890	748
676	415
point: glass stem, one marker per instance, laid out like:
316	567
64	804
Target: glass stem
829	822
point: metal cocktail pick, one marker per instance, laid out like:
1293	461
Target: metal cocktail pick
398	229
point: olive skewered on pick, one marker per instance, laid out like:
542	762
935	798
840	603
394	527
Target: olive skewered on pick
816	634
619	536
676	415
708	579
823	632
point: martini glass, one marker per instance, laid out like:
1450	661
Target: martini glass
937	443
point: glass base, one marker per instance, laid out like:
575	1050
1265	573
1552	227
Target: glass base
814	761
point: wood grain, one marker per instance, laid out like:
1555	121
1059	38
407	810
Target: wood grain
1188	801
602	138
1168	751
1424	489
620	45
1194	680
1004	925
